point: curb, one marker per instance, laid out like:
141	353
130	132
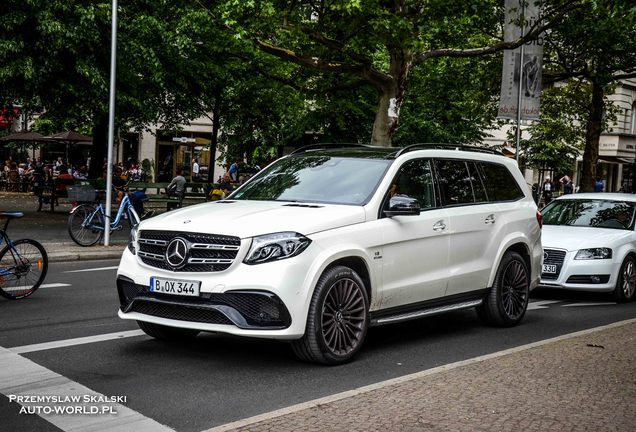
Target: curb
63	252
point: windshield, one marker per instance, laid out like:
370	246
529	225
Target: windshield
319	179
590	213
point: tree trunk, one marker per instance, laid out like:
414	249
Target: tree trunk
391	93
593	131
216	126
99	147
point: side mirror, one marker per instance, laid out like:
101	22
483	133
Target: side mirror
401	205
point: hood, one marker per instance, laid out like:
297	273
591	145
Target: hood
574	238
252	218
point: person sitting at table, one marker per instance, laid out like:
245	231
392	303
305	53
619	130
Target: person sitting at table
137	198
177	186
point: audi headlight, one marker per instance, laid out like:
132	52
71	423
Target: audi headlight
593	253
132	241
278	246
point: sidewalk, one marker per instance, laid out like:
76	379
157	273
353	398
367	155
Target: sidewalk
49	228
585	382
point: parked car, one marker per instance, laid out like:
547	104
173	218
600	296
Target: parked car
326	242
590	244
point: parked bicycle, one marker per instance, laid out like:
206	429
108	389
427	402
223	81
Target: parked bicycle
86	221
23	263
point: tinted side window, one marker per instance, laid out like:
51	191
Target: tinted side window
454	182
415	180
478	187
500	184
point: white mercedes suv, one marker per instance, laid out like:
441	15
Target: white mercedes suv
328	241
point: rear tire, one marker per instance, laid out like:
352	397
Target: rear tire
626	283
85	231
21	275
337	320
166	333
507	301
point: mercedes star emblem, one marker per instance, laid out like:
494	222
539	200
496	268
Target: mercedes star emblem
177	253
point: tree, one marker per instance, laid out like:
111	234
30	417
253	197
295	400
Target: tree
556	139
595	45
451	100
55	60
377	42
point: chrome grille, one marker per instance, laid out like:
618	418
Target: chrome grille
206	252
555	257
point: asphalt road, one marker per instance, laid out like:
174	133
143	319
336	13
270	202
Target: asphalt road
217	379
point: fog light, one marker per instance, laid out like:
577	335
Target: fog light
595	279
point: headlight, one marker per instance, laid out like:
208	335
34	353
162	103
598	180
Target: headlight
272	247
132	241
594	253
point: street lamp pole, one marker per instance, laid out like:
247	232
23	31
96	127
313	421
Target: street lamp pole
111	122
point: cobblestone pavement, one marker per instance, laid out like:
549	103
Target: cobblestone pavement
581	383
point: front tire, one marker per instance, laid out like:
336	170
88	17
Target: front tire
626	284
85	226
337	320
166	333
22	273
507	301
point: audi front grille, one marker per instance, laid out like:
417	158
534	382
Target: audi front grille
556	257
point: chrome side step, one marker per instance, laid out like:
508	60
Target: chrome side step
425	312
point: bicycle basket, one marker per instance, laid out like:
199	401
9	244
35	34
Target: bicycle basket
81	193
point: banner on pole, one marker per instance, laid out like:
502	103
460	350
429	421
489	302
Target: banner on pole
516	69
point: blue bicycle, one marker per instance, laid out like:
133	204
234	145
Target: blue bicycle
86	221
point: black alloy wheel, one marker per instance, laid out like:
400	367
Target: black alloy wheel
337	320
506	303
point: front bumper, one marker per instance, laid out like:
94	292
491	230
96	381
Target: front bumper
251	310
582	275
265	301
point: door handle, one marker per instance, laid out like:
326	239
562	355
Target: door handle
439	226
490	219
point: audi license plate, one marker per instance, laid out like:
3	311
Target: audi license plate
175	286
549	268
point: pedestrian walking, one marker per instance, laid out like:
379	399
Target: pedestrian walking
568	186
547	189
599	186
195	170
233	171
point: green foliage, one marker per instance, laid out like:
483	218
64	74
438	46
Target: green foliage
557	138
451	100
595	46
180	59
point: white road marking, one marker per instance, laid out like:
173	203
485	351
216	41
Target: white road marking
406	378
541	304
54	285
75	341
22	377
91	269
590	304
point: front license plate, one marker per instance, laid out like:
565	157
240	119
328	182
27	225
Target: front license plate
549	268
175	286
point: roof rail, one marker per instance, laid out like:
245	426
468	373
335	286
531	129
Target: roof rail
329	146
424	146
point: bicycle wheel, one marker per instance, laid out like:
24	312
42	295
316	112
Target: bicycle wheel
23	267
85	225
